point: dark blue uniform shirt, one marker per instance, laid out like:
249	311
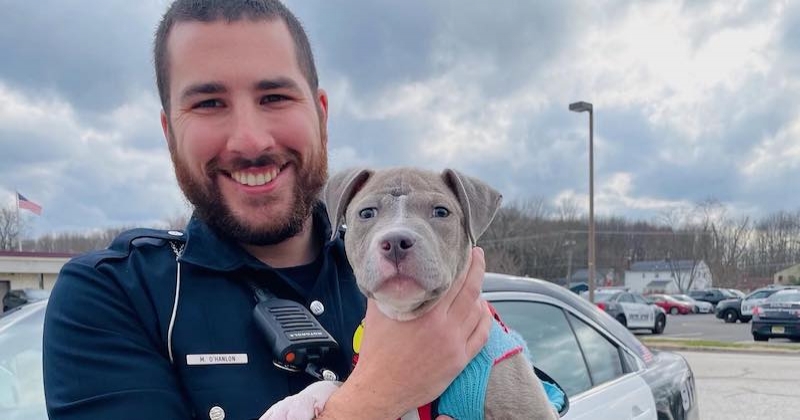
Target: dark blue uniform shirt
107	342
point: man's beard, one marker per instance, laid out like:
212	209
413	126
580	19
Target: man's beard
211	208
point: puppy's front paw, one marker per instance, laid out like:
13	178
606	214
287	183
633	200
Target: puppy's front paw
305	405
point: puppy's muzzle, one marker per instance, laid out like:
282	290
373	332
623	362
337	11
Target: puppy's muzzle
396	245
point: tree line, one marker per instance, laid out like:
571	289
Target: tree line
530	238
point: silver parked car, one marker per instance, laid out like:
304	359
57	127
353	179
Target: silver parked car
21	386
606	372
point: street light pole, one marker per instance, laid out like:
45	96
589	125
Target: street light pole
581	107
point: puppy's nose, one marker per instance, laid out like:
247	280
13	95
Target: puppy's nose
395	246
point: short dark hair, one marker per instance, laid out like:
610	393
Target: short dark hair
232	11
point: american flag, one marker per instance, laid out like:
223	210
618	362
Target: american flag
29	205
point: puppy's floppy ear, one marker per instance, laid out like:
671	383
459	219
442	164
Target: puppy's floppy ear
340	189
478	200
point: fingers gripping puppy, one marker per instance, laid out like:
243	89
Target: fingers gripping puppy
408	237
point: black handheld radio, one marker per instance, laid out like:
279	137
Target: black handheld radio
298	341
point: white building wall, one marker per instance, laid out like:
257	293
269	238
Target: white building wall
702	278
637	281
31	272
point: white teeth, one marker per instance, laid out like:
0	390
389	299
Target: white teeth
254	180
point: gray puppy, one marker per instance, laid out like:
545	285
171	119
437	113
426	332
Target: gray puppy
408	237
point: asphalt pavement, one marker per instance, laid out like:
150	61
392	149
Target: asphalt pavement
741	386
707	327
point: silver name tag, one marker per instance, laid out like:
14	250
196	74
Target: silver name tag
216	359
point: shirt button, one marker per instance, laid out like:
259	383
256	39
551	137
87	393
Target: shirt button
216	413
317	308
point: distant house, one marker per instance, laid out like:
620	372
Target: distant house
790	275
669	275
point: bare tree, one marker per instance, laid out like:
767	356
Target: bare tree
177	221
774	245
568	209
687	244
11	228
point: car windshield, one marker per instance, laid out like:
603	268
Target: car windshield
682	298
784	297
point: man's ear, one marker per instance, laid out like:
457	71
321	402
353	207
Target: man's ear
339	191
322	111
478	201
165	126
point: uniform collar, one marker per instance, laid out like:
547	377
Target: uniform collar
208	249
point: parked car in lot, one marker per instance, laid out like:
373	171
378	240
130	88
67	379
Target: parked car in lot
21	387
584	350
19	297
777	316
732	310
698	306
631	310
712	296
606	372
669	304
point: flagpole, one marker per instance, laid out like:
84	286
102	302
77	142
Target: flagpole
19	232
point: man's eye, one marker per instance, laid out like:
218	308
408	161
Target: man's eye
440	211
368	213
208	103
273	98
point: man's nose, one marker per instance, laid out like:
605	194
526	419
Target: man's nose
250	134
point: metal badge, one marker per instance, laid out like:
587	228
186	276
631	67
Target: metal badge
175	233
216	413
317	308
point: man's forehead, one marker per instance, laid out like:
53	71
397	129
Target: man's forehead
220	52
190	31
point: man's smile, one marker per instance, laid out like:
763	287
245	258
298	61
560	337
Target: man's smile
255	177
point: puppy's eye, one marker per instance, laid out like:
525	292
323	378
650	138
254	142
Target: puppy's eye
368	213
440	211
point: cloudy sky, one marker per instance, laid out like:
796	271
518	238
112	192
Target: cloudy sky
693	100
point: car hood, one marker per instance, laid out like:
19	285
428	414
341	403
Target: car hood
730	302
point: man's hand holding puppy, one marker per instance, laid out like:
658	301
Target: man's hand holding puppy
407	364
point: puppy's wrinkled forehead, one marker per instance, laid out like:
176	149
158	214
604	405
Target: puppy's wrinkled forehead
412	189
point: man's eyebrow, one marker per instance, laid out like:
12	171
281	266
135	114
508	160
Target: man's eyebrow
202	89
279	83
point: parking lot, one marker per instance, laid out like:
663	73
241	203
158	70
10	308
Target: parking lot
708	327
737	385
741	386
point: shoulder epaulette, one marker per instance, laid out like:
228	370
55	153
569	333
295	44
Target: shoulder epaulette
142	236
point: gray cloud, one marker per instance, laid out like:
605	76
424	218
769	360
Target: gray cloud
479	86
94	53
